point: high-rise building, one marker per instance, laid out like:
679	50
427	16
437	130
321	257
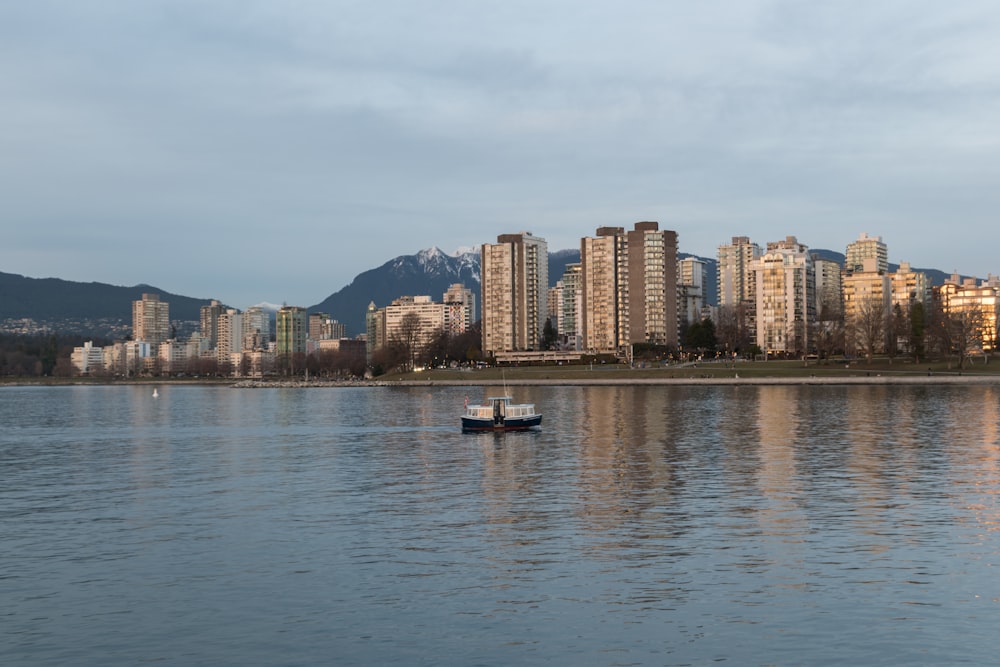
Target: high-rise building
692	275
866	247
256	329
599	294
629	287
230	335
737	286
650	271
569	311
460	309
736	277
291	327
785	285
151	319
910	287
210	322
374	326
515	285
829	292
324	327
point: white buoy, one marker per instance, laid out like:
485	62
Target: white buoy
156	394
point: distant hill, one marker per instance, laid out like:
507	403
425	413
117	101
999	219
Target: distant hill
94	309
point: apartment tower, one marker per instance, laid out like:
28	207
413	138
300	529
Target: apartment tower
598	283
785	304
866	247
291	327
629	287
515	285
151	320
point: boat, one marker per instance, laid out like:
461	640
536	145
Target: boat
499	413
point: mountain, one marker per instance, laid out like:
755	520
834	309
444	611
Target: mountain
430	272
94	309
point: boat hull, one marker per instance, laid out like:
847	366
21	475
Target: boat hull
510	424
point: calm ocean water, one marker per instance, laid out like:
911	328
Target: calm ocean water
640	526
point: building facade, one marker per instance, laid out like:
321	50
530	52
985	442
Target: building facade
291	328
973	308
515	285
910	287
866	247
599	292
691	279
87	359
737	279
867	307
829	289
785	303
210	321
628	288
151	319
256	329
737	285
460	309
649	303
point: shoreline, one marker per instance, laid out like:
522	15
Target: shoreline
937	379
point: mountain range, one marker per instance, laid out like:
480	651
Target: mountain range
31	305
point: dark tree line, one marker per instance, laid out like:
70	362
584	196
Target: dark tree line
38	355
406	351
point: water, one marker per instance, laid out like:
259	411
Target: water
640	526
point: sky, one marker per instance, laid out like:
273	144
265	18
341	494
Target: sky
271	151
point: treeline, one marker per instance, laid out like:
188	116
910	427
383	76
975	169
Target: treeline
38	355
408	348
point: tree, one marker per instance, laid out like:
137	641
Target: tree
406	338
549	335
896	325
867	328
956	332
917	327
701	336
733	330
435	353
828	337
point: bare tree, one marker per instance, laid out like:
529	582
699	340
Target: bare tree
828	337
733	329
407	337
917	330
959	332
896	325
867	326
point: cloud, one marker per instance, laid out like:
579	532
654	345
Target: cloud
343	134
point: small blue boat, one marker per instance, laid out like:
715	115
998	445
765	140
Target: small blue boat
500	413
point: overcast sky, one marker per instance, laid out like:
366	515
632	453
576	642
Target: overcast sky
271	151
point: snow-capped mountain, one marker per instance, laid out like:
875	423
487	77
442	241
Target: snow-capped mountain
429	272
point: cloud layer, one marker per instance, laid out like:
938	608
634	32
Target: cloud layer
255	150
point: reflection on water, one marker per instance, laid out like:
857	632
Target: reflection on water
640	525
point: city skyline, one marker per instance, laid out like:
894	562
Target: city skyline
257	154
